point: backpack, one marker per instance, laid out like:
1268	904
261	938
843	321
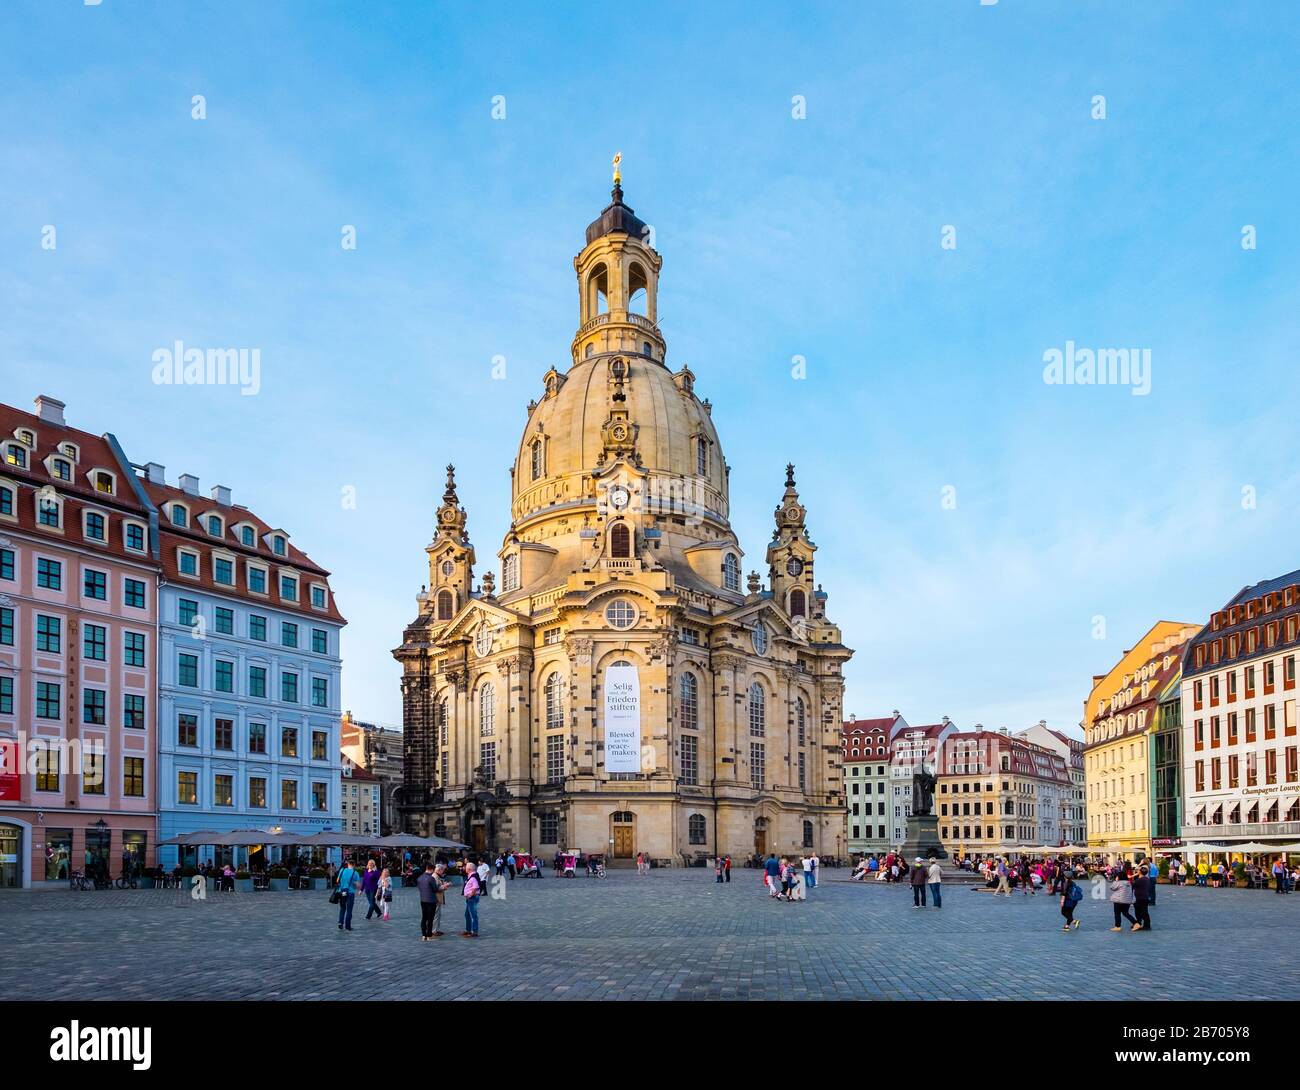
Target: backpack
1075	893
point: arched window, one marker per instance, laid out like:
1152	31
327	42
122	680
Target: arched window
638	298
598	288
538	459
731	572
695	828
807	834
620	540
442	722
757	711
510	573
487	710
440	828
445	605
690	710
797	603
800	719
702	456
554	701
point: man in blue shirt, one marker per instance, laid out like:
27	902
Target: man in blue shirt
347	889
773	869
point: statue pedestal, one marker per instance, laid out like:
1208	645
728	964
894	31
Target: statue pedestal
923	838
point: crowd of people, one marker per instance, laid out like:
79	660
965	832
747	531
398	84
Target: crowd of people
787	879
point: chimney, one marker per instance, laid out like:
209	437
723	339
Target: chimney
895	713
189	483
221	495
945	720
155	473
50	409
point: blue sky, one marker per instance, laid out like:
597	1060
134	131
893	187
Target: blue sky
817	238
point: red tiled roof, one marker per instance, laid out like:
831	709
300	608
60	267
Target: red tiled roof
231	516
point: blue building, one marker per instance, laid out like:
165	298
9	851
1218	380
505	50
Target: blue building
248	677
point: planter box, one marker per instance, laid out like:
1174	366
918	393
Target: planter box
318	883
146	883
243	885
279	885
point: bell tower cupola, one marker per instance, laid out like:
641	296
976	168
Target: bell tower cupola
618	284
451	557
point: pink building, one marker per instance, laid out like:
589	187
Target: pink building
78	647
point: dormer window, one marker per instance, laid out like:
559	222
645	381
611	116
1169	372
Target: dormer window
61	468
510	572
538	459
214	526
16	455
49	510
248	536
25	436
318	599
180	515
70	449
288	588
104	481
95	528
188	562
278	545
702	456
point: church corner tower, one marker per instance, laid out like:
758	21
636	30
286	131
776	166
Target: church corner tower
620	692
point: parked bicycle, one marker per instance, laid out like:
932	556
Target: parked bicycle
127	880
78	880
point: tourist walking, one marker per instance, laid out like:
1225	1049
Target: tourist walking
427	884
933	881
471	891
814	869
1142	886
369	886
918	885
1003	870
798	885
384	893
1071	895
717	870
346	888
772	875
1279	875
726	868
805	867
1121	897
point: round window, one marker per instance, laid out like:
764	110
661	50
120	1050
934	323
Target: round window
759	636
620	613
483	640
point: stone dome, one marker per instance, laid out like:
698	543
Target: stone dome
571	426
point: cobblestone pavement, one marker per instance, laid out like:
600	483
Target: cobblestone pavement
674	934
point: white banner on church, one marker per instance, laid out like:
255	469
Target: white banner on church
622	719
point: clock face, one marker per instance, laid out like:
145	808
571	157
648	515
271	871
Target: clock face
794	566
448	567
792	514
618	498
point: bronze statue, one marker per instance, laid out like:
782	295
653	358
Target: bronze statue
922	791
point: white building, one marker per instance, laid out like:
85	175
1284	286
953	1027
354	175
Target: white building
865	752
1072	804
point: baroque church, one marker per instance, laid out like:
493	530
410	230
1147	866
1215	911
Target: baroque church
623	690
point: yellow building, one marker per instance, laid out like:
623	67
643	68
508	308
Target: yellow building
621	691
1119	724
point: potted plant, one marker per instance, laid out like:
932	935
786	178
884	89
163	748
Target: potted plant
243	881
279	879
1164	870
317	878
1238	873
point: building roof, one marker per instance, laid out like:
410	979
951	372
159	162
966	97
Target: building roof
233	515
1249	605
615	217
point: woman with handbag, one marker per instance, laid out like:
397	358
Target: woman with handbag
1121	897
385	892
471	891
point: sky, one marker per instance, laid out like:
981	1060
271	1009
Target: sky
988	540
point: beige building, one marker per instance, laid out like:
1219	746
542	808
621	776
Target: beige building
624	689
360	792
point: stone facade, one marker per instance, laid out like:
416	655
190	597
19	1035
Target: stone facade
620	553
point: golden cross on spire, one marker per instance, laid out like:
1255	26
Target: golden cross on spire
618	173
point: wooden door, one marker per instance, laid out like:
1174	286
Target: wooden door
623	842
760	841
478	834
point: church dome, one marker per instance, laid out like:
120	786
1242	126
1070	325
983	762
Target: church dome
615	217
573	436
